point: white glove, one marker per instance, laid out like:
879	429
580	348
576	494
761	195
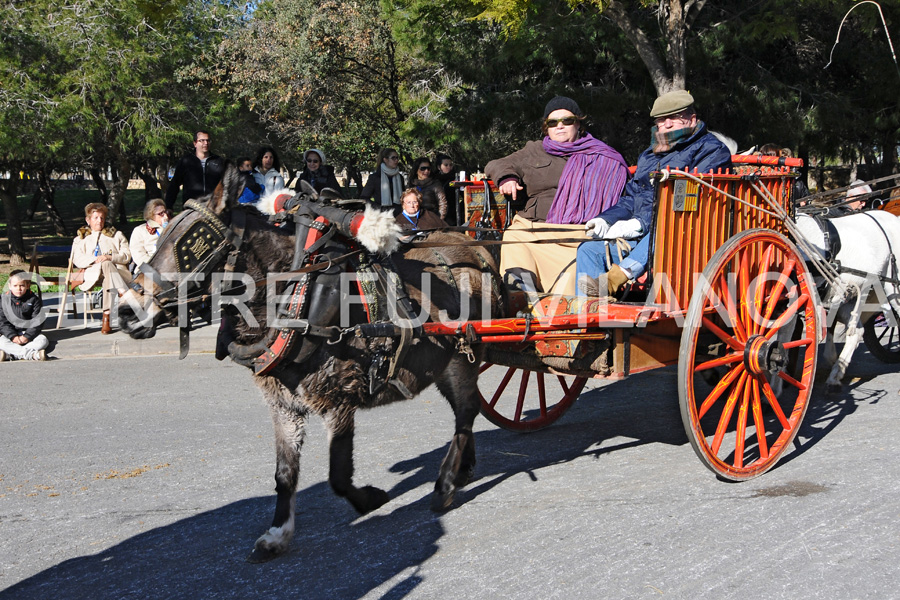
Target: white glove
596	227
628	230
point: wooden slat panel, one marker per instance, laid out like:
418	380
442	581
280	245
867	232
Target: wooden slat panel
686	240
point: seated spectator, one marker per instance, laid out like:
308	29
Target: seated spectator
144	237
317	173
567	177
21	319
102	254
413	216
385	185
267	169
421	178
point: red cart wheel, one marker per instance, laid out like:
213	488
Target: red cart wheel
748	354
523	400
883	339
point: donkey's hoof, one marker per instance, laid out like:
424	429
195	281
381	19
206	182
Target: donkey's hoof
833	388
442	502
464	477
261	555
371	498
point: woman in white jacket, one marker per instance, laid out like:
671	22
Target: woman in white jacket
103	254
267	169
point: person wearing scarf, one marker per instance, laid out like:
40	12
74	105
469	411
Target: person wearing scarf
384	186
144	237
678	140
318	174
562	181
413	217
102	255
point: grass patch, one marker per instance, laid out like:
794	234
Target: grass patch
53	274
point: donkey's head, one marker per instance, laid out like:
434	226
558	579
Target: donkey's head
177	278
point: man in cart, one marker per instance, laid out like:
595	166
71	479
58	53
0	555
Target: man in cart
679	140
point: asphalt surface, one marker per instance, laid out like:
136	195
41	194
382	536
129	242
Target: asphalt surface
154	480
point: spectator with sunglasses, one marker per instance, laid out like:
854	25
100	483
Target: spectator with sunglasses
679	140
317	174
385	184
421	177
566	178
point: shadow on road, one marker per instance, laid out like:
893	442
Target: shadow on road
336	555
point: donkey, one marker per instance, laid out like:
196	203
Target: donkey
332	371
864	245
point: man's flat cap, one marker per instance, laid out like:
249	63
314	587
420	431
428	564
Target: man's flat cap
671	103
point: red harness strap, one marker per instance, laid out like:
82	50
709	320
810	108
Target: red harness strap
276	352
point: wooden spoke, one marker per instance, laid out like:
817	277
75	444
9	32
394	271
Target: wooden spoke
719	362
758	422
502	385
738	425
722	335
533	404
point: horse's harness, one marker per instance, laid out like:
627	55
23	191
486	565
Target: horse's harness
832	246
209	240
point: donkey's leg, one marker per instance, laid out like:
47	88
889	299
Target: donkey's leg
459	384
340	424
289	435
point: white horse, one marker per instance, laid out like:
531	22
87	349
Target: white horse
868	245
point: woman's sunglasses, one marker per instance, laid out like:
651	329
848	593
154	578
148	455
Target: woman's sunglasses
551	123
424	168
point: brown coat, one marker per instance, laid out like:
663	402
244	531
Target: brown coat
538	171
426	220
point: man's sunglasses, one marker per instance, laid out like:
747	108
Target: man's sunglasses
551	123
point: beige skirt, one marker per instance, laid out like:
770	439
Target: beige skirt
551	267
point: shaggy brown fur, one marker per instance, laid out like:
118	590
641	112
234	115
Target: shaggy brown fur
333	381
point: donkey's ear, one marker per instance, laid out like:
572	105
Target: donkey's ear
306	189
228	191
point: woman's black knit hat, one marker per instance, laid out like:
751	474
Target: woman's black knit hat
563	103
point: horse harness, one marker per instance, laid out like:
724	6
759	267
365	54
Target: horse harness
206	241
832	244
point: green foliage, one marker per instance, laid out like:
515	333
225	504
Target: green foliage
91	77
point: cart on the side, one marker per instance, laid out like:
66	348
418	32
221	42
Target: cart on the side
728	298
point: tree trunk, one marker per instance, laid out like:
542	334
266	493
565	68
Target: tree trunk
8	193
151	185
162	177
356	175
101	185
116	203
32	206
678	15
48	193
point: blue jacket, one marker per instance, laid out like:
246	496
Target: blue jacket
702	151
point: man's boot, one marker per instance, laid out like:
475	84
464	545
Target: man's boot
615	279
106	328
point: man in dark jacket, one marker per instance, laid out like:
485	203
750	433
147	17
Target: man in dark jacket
679	141
198	173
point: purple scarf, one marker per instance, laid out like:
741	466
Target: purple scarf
591	181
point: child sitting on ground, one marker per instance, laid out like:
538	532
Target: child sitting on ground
21	319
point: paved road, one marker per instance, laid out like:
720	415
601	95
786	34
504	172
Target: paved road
155	485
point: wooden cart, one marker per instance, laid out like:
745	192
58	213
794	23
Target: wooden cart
728	298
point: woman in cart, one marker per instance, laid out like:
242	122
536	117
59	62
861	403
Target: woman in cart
567	178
